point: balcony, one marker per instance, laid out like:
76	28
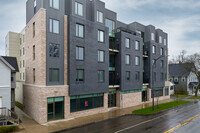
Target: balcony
113	47
145	54
114	83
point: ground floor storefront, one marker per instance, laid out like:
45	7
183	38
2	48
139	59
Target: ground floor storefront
46	104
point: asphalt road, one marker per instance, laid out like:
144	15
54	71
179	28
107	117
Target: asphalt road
158	123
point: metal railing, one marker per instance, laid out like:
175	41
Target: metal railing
8	116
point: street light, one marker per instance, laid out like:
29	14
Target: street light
153	78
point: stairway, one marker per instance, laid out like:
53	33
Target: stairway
8	117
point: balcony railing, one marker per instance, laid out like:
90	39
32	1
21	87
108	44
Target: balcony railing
8	116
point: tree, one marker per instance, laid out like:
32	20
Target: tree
181	58
194	61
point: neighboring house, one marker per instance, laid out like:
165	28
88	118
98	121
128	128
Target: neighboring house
80	60
15	47
183	79
8	69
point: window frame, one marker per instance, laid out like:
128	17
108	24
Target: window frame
101	72
128	75
137	45
153	49
99	36
152	37
77	6
52	76
127	62
127	43
99	19
137	76
51	4
160	39
51	25
78	54
137	60
99	56
78	30
77	75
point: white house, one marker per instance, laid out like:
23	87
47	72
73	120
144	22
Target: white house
8	69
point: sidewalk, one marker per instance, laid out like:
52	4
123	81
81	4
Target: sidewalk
30	126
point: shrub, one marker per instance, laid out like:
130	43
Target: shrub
8	129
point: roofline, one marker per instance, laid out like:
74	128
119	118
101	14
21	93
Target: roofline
5	62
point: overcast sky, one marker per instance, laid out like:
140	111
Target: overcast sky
179	18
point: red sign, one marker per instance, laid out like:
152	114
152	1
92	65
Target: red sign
86	103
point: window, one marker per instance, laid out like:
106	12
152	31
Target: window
154	76
78	9
175	79
54	4
160	39
161	51
183	79
166	91
137	60
152	36
139	33
127	60
79	53
154	63
54	50
54	26
100	36
101	76
127	42
137	45
23	63
34	29
33	52
23	76
111	25
165	53
100	56
79	30
161	76
23	51
99	17
137	76
33	74
162	64
79	75
165	42
128	75
154	49
20	64
54	75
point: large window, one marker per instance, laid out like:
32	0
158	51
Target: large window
54	50
161	51
161	76
128	75
54	26
137	76
127	59
162	64
79	30
78	9
137	60
54	75
99	17
101	36
79	75
157	93
160	39
80	103
152	36
111	25
79	53
165	42
55	108
101	56
101	76
154	49
54	4
127	42
137	45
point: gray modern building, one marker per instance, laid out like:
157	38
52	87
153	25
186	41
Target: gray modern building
81	60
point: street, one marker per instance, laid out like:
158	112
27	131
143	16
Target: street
158	123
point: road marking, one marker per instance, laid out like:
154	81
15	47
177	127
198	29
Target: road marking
182	124
141	123
147	122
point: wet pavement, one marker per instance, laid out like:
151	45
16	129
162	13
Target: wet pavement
30	126
158	123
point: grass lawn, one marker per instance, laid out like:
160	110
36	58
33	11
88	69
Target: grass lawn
160	107
19	105
193	97
179	96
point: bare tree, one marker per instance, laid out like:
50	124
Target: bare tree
181	58
194	61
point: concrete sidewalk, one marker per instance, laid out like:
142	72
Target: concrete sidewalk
30	126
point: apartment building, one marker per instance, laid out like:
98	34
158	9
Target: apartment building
15	47
80	60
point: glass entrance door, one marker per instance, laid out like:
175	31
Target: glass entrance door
112	100
55	108
144	96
